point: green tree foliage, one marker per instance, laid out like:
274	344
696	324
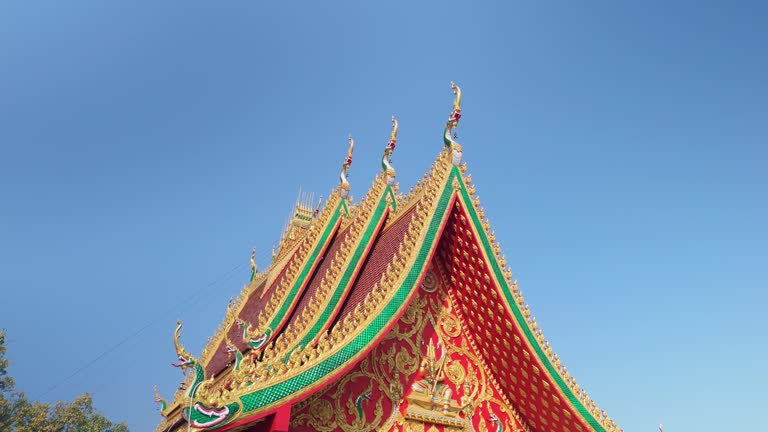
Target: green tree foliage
18	414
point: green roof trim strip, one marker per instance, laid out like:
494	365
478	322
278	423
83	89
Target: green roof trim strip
336	299
392	197
296	384
292	387
543	358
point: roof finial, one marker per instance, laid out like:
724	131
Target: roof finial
317	209
453	122
386	164
344	184
185	358
453	119
254	269
160	400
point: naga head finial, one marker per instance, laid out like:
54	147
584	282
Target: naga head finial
160	400
386	164
185	358
317	209
393	136
453	119
343	183
231	315
348	160
229	346
254	268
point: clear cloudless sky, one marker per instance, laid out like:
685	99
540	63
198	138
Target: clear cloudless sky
619	149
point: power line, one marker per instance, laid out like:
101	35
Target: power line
185	302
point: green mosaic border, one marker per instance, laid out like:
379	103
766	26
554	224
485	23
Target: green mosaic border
373	228
391	194
293	385
278	318
518	314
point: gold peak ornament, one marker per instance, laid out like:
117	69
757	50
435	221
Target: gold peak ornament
386	160
185	358
254	269
343	182
453	119
453	122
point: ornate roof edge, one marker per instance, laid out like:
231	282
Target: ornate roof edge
339	350
280	383
441	268
285	296
341	275
235	307
515	305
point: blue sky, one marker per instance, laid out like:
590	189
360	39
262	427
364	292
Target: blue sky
620	151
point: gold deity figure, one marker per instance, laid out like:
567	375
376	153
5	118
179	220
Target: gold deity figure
430	392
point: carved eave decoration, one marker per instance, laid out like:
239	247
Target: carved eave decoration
288	373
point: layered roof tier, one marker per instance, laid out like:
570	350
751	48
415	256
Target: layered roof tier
345	278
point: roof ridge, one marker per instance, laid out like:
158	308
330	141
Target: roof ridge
234	308
539	344
276	380
272	371
366	218
299	270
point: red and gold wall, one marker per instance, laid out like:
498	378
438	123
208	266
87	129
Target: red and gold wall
404	385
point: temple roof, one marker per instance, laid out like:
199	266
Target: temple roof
337	289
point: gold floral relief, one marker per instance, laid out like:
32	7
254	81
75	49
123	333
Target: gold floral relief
380	392
368	397
450	326
456	373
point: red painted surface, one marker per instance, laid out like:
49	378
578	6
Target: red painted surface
498	337
282	419
333	408
490	347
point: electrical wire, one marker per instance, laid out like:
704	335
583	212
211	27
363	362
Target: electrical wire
188	301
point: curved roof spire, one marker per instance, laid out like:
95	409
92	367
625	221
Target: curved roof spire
343	182
185	358
453	123
453	119
254	267
386	161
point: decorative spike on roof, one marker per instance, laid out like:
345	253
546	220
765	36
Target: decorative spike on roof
317	209
453	119
254	268
301	218
453	122
386	161
163	404
185	358
303	211
343	182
